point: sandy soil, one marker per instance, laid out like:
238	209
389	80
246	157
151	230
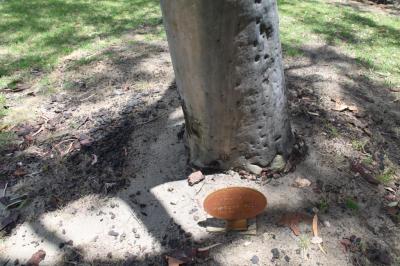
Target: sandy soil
106	175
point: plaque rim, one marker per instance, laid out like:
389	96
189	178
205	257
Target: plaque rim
236	187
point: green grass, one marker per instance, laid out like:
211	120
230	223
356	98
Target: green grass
323	206
387	176
6	138
373	38
2	105
368	160
35	34
331	130
359	145
351	204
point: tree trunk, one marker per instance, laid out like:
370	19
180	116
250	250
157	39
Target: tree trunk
228	65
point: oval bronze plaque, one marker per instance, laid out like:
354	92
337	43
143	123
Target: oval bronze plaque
235	203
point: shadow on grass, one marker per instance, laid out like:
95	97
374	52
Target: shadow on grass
40	32
364	33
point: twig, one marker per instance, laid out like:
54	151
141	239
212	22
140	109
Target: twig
322	249
69	148
87	98
63	141
209	247
204	182
5	189
84	122
37	132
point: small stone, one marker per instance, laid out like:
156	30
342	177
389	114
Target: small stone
287	258
109	255
113	233
137	235
301	182
254	169
327	224
278	164
254	259
122	237
112	215
195	178
316	240
170	189
275	253
193	210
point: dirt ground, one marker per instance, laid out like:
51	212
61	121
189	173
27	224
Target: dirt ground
104	168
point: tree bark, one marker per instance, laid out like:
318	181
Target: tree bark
228	65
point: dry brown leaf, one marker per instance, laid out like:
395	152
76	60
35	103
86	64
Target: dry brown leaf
353	108
315	225
173	262
292	221
340	107
19	172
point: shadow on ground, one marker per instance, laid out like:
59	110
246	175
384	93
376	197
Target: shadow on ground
139	150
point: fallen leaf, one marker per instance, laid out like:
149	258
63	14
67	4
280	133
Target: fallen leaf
392	210
393	204
36	258
346	243
173	262
353	108
292	221
195	178
390	197
179	257
313	113
19	172
390	189
340	107
301	182
315	225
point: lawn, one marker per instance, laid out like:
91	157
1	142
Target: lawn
372	38
35	35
